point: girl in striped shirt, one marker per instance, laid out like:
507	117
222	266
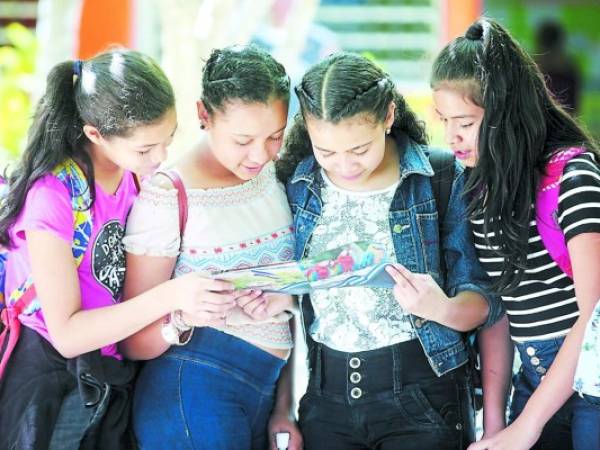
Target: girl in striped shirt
503	124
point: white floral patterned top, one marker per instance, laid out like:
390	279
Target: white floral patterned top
227	228
356	318
587	375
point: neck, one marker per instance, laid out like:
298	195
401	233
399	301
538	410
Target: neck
106	173
212	165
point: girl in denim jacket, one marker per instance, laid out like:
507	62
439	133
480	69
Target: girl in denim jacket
387	366
503	124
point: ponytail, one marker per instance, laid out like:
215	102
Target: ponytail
55	135
522	127
116	91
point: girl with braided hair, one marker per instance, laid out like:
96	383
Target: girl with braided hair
210	379
388	366
503	124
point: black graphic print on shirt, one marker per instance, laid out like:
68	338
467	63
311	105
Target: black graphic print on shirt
108	258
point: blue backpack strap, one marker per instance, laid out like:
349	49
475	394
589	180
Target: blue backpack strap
23	300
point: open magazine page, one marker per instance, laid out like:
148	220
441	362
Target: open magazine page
356	264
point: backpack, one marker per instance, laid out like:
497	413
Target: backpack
546	207
23	299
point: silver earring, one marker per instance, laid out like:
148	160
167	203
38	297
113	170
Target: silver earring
388	131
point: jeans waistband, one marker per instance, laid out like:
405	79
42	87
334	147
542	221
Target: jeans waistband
369	375
228	352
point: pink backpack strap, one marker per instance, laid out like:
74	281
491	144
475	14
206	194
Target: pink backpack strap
546	207
182	199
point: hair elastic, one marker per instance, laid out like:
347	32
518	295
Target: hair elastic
77	67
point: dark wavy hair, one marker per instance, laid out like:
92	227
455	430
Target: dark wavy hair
522	127
242	72
337	88
116	91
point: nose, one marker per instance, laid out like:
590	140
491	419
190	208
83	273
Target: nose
160	154
348	165
259	154
451	134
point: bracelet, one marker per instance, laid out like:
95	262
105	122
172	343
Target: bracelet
175	331
177	319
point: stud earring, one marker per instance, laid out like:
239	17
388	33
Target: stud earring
388	131
202	127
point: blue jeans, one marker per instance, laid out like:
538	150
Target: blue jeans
576	425
216	392
385	399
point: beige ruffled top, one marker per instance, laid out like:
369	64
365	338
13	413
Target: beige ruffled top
227	228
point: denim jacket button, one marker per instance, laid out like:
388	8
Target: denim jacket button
418	323
541	370
530	351
535	360
397	228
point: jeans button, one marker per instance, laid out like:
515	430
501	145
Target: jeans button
356	392
535	360
354	362
355	377
530	351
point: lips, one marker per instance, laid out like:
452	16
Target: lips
462	154
253	169
351	177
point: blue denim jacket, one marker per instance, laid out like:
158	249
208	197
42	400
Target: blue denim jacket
414	223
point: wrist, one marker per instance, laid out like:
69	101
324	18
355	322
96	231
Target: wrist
443	313
174	330
530	421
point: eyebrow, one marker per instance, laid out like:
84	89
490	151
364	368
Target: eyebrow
152	145
463	116
251	135
348	150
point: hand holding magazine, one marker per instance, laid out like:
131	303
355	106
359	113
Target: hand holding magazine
359	263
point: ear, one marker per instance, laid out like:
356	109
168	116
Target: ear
203	114
92	133
389	118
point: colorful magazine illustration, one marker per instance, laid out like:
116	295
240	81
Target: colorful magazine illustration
356	264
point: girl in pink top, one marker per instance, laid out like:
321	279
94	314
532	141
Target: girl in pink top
99	122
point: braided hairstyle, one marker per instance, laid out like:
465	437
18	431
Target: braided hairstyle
522	127
245	73
342	86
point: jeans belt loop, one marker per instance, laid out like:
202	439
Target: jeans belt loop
397	369
318	379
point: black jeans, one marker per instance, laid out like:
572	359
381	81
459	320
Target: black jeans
388	398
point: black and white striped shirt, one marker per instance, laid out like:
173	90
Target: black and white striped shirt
544	306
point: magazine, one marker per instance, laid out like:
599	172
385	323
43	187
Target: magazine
356	264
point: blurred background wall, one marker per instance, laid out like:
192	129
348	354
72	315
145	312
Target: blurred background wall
401	35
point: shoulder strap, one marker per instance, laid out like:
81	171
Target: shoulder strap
442	163
546	208
23	300
182	199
